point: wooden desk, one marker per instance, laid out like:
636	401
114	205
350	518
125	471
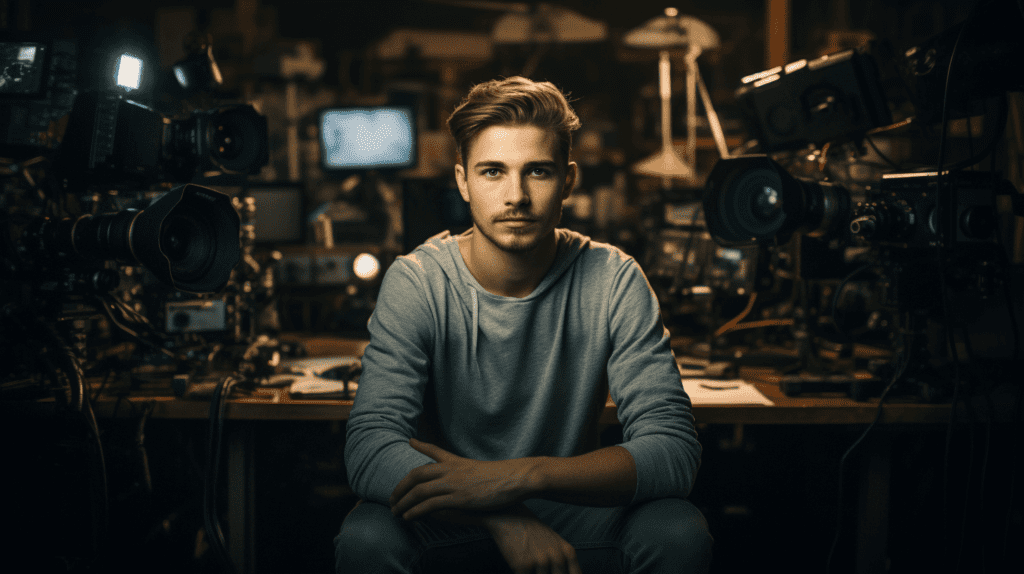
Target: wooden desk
266	405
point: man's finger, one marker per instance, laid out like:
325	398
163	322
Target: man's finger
428	506
419	493
433	451
418	475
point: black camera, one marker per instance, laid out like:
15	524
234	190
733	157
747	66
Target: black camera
188	238
99	133
112	138
752	200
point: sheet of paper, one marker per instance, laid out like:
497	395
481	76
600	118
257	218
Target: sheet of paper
724	392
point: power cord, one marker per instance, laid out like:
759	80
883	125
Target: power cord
211	519
904	359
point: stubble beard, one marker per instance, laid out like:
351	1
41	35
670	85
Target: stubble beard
518	241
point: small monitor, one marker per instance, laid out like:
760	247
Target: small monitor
280	213
22	68
364	138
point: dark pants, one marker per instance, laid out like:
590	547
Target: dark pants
658	536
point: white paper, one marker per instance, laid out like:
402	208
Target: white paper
724	392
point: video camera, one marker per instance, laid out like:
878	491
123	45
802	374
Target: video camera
103	214
929	233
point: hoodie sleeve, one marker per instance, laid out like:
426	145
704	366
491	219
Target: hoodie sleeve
644	381
389	402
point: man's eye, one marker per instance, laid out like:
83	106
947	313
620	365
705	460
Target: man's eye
540	172
493	172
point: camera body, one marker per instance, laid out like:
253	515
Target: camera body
905	212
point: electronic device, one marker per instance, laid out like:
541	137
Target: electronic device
829	98
367	138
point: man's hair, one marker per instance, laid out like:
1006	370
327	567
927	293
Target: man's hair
513	101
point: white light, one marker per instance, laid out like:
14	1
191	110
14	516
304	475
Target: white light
27	54
129	71
366	266
182	78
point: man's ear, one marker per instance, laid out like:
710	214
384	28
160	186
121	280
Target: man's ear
572	175
460	180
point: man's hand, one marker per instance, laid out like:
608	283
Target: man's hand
529	546
459	483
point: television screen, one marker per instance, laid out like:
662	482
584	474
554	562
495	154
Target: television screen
367	138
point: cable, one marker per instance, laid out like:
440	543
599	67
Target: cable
728	326
884	157
970	465
941	207
762	323
103	519
103	305
218	406
842	461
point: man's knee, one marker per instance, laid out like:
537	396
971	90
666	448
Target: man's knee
668	531
372	540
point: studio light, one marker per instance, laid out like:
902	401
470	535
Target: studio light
129	72
366	266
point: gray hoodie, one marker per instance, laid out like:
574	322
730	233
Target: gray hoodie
493	378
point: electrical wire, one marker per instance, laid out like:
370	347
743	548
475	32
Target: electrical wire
103	305
941	207
728	326
970	470
762	323
991	420
904	359
211	520
101	529
884	157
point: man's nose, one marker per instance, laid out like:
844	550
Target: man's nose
516	192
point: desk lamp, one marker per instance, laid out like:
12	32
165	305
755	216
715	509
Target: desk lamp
665	33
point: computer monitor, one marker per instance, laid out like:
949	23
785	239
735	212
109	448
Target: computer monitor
367	138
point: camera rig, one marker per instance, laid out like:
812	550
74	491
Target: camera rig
106	225
929	234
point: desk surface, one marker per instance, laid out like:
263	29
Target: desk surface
822	408
275	404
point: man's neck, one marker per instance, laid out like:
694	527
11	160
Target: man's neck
503	273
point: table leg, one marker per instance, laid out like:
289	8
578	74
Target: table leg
241	494
873	504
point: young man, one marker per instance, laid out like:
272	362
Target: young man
473	439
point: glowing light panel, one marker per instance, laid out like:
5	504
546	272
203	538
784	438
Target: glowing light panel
129	71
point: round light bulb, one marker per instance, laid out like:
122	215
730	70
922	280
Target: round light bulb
366	266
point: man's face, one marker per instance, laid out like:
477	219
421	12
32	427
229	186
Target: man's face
515	183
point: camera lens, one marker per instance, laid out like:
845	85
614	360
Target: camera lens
189	244
751	199
744	206
237	137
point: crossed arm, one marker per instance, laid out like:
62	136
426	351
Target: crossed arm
490	494
604	477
